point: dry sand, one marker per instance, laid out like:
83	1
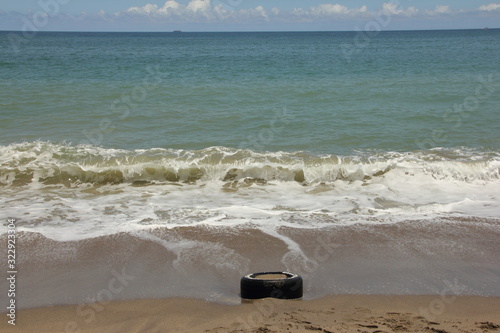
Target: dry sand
353	313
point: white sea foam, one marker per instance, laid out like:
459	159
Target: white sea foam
75	192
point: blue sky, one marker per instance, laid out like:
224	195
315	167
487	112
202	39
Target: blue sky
235	15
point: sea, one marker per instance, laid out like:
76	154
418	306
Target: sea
232	152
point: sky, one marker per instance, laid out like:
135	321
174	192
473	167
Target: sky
246	15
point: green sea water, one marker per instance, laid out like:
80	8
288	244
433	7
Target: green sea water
170	127
324	92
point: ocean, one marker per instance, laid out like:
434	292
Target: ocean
191	159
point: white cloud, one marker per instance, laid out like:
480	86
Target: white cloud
439	10
490	7
394	9
391	8
329	9
442	9
206	10
259	11
323	12
195	10
299	12
199	6
170	7
147	9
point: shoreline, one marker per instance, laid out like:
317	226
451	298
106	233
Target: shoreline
336	313
458	257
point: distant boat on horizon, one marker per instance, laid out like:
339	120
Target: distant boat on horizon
486	28
177	30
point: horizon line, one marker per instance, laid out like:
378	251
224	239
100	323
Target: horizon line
242	31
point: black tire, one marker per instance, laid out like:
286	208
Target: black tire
282	285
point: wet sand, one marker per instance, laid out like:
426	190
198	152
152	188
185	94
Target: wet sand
457	257
187	279
354	313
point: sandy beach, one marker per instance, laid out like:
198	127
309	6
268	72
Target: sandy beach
350	313
186	280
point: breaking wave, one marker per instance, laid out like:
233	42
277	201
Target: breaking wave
44	163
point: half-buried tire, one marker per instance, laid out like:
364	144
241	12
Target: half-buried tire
283	285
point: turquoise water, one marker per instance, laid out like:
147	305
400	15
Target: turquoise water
322	92
172	129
